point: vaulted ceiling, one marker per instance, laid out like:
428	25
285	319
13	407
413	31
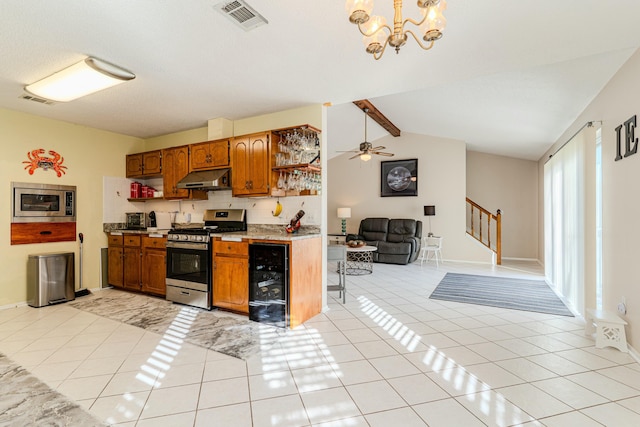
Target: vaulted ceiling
508	77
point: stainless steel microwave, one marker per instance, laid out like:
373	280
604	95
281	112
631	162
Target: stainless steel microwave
43	202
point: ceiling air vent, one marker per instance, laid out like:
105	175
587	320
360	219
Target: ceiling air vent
241	14
36	99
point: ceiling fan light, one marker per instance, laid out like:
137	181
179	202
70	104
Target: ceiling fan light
365	157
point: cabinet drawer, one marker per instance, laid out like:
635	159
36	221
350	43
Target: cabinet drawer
231	248
116	240
130	240
154	242
42	232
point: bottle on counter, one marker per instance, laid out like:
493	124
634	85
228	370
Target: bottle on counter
294	224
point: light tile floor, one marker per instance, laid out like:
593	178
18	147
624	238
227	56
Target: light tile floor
389	356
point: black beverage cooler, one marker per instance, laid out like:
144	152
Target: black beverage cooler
269	284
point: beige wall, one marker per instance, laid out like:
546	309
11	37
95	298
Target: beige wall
618	101
441	182
89	154
511	185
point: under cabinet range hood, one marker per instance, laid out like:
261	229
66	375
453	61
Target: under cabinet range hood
219	179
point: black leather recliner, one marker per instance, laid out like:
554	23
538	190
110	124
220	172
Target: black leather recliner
397	240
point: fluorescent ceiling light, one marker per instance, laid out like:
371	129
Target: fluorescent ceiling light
87	76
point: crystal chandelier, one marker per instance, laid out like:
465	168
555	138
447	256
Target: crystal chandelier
376	39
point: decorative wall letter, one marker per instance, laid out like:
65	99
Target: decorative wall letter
631	142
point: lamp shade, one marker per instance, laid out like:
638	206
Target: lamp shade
344	212
429	210
87	76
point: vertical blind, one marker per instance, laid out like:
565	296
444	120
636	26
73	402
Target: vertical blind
565	209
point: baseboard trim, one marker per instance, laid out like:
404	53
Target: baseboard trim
522	259
14	305
634	353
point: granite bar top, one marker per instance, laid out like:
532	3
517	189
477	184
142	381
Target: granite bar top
254	231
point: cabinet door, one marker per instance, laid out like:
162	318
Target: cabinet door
176	167
152	163
240	166
250	165
200	156
115	269
154	271
131	268
219	153
231	283
259	164
134	165
168	175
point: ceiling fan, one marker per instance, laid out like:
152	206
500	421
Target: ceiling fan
366	149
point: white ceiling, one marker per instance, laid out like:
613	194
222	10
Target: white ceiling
508	77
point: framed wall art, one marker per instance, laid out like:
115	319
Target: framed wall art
399	178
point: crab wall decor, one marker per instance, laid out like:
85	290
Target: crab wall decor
37	160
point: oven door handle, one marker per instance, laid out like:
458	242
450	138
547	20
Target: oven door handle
197	246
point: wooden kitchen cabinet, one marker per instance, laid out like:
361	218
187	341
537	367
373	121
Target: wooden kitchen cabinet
132	261
115	251
209	155
231	275
154	265
250	163
176	167
137	262
144	165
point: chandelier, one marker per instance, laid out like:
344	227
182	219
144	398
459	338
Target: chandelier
377	34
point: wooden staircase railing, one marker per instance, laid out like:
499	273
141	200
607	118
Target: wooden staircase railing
485	227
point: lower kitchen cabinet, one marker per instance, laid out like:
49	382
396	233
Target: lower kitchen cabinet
137	262
132	262
115	273
154	265
231	275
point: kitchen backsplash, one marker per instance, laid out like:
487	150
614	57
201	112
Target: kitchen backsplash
116	191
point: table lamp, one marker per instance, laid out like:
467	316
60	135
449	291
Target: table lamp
430	211
343	214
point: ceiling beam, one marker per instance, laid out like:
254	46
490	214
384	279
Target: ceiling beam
377	116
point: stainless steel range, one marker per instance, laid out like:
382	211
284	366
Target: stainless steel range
189	274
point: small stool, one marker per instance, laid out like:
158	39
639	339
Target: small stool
609	329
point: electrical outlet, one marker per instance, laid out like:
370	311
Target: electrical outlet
622	308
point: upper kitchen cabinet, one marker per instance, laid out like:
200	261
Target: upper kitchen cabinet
176	167
250	164
144	165
209	155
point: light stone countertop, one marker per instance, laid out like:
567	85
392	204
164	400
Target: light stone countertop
254	231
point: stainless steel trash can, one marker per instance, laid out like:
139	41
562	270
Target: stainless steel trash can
50	278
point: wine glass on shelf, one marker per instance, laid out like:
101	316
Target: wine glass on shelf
281	181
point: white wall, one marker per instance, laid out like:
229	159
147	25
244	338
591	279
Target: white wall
618	101
441	182
511	185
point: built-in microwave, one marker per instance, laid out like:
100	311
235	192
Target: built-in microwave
43	202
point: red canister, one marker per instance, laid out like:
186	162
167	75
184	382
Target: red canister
145	191
136	190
